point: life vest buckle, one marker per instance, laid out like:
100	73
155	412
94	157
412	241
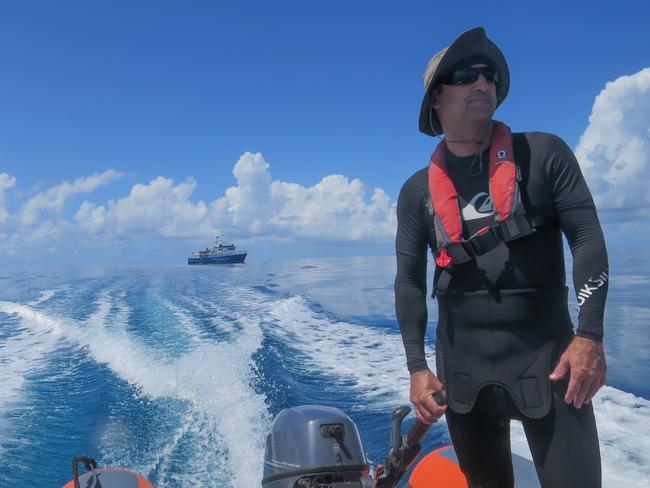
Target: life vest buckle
483	241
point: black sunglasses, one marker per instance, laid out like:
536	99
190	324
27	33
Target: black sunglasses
470	74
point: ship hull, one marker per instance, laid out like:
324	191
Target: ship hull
229	259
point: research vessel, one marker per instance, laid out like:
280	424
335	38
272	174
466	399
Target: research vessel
221	253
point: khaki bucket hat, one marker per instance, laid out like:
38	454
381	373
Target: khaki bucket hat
471	44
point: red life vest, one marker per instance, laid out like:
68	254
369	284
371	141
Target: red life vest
511	219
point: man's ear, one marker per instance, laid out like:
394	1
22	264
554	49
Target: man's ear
434	98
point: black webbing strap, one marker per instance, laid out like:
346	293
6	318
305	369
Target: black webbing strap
514	227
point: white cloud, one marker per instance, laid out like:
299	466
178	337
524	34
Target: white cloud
53	199
6	182
246	207
336	209
614	150
158	207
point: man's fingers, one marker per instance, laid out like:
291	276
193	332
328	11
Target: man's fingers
424	386
429	410
440	398
581	394
424	417
572	390
560	370
596	385
592	391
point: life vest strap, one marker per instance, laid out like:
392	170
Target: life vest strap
515	227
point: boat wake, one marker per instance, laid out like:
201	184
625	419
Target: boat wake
184	377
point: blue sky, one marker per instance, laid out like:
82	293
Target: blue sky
121	123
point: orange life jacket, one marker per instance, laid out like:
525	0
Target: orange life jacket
510	215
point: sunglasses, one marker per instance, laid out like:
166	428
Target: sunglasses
470	74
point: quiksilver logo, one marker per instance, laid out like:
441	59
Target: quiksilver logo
590	287
478	207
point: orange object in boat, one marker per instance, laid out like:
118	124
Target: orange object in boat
438	469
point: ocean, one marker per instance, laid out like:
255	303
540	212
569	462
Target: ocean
176	372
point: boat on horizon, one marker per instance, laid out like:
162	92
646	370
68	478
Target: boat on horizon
221	253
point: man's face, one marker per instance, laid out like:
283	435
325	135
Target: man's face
467	102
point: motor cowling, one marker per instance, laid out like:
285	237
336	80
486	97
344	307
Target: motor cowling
313	446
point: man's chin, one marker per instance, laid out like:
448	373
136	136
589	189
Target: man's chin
480	112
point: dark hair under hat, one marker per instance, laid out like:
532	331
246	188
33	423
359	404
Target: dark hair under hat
471	46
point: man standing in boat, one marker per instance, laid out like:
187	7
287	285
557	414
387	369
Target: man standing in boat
493	206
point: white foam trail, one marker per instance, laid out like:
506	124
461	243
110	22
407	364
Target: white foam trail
104	305
43	297
122	310
217	313
368	358
207	459
188	323
20	355
22	351
33	319
198	426
623	422
624	429
216	379
185	321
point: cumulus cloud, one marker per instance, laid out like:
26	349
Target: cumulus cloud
6	182
249	205
159	207
336	209
614	150
53	199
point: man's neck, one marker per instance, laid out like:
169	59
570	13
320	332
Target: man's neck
469	139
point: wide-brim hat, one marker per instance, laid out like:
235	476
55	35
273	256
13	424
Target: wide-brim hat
473	44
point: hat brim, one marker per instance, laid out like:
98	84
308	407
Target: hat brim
472	43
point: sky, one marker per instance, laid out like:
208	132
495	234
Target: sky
133	132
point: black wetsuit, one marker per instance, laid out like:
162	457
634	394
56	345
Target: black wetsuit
563	439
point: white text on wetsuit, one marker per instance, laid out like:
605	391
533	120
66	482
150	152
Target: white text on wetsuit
591	286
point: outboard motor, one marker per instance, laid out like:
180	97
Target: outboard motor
314	447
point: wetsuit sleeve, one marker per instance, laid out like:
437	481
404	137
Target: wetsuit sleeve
579	222
410	280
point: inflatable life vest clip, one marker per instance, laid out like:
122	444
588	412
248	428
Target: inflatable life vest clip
443	259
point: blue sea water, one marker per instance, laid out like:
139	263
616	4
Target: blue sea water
177	372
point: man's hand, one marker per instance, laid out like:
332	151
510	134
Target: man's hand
424	385
584	360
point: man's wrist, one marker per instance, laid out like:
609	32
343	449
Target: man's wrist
594	336
419	368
